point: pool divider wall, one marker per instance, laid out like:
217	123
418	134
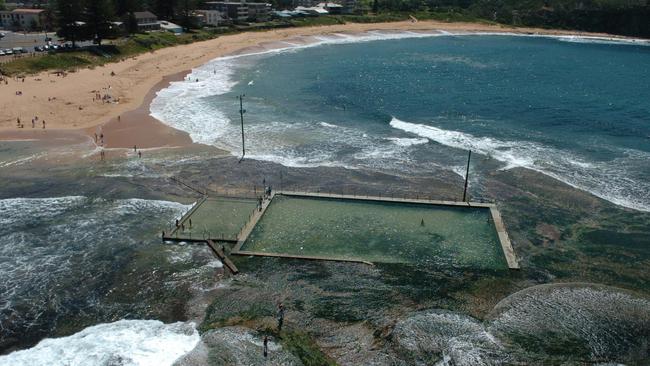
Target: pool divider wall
188	214
250	225
506	245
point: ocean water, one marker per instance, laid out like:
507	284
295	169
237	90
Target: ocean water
60	256
576	109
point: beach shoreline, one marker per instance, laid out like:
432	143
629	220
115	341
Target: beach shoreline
68	103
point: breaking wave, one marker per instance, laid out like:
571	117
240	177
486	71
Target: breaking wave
124	343
613	181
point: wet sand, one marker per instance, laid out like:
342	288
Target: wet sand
138	128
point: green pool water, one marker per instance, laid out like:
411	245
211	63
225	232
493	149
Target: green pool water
219	216
378	232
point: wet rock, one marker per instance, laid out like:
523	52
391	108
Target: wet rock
237	346
445	337
574	321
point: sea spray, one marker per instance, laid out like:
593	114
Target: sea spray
124	343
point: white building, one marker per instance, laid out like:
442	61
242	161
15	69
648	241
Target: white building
212	17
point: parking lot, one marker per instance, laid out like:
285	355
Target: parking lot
15	44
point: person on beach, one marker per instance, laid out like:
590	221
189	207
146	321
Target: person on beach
43	124
280	316
33	123
266	346
135	148
176	222
139	154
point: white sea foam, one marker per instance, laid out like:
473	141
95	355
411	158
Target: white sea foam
124	343
612	181
21	161
405	141
325	124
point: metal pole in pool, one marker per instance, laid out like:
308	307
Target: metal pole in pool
241	113
469	157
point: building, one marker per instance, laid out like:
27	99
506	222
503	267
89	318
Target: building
5	19
171	27
23	19
212	17
241	11
340	7
312	11
235	11
259	12
349	6
147	21
331	8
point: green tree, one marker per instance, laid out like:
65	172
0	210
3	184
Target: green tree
164	9
2	5
186	9
99	16
123	7
68	13
130	23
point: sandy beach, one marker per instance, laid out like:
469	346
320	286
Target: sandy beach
69	103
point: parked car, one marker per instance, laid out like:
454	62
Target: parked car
8	51
2	53
2	35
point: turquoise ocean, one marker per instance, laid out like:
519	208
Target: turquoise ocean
576	109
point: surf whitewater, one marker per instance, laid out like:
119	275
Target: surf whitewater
410	103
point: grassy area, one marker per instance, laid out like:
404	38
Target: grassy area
123	48
110	52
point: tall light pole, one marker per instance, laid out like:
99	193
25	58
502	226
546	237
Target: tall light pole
241	114
469	157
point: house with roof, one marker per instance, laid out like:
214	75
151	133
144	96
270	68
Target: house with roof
23	19
147	21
